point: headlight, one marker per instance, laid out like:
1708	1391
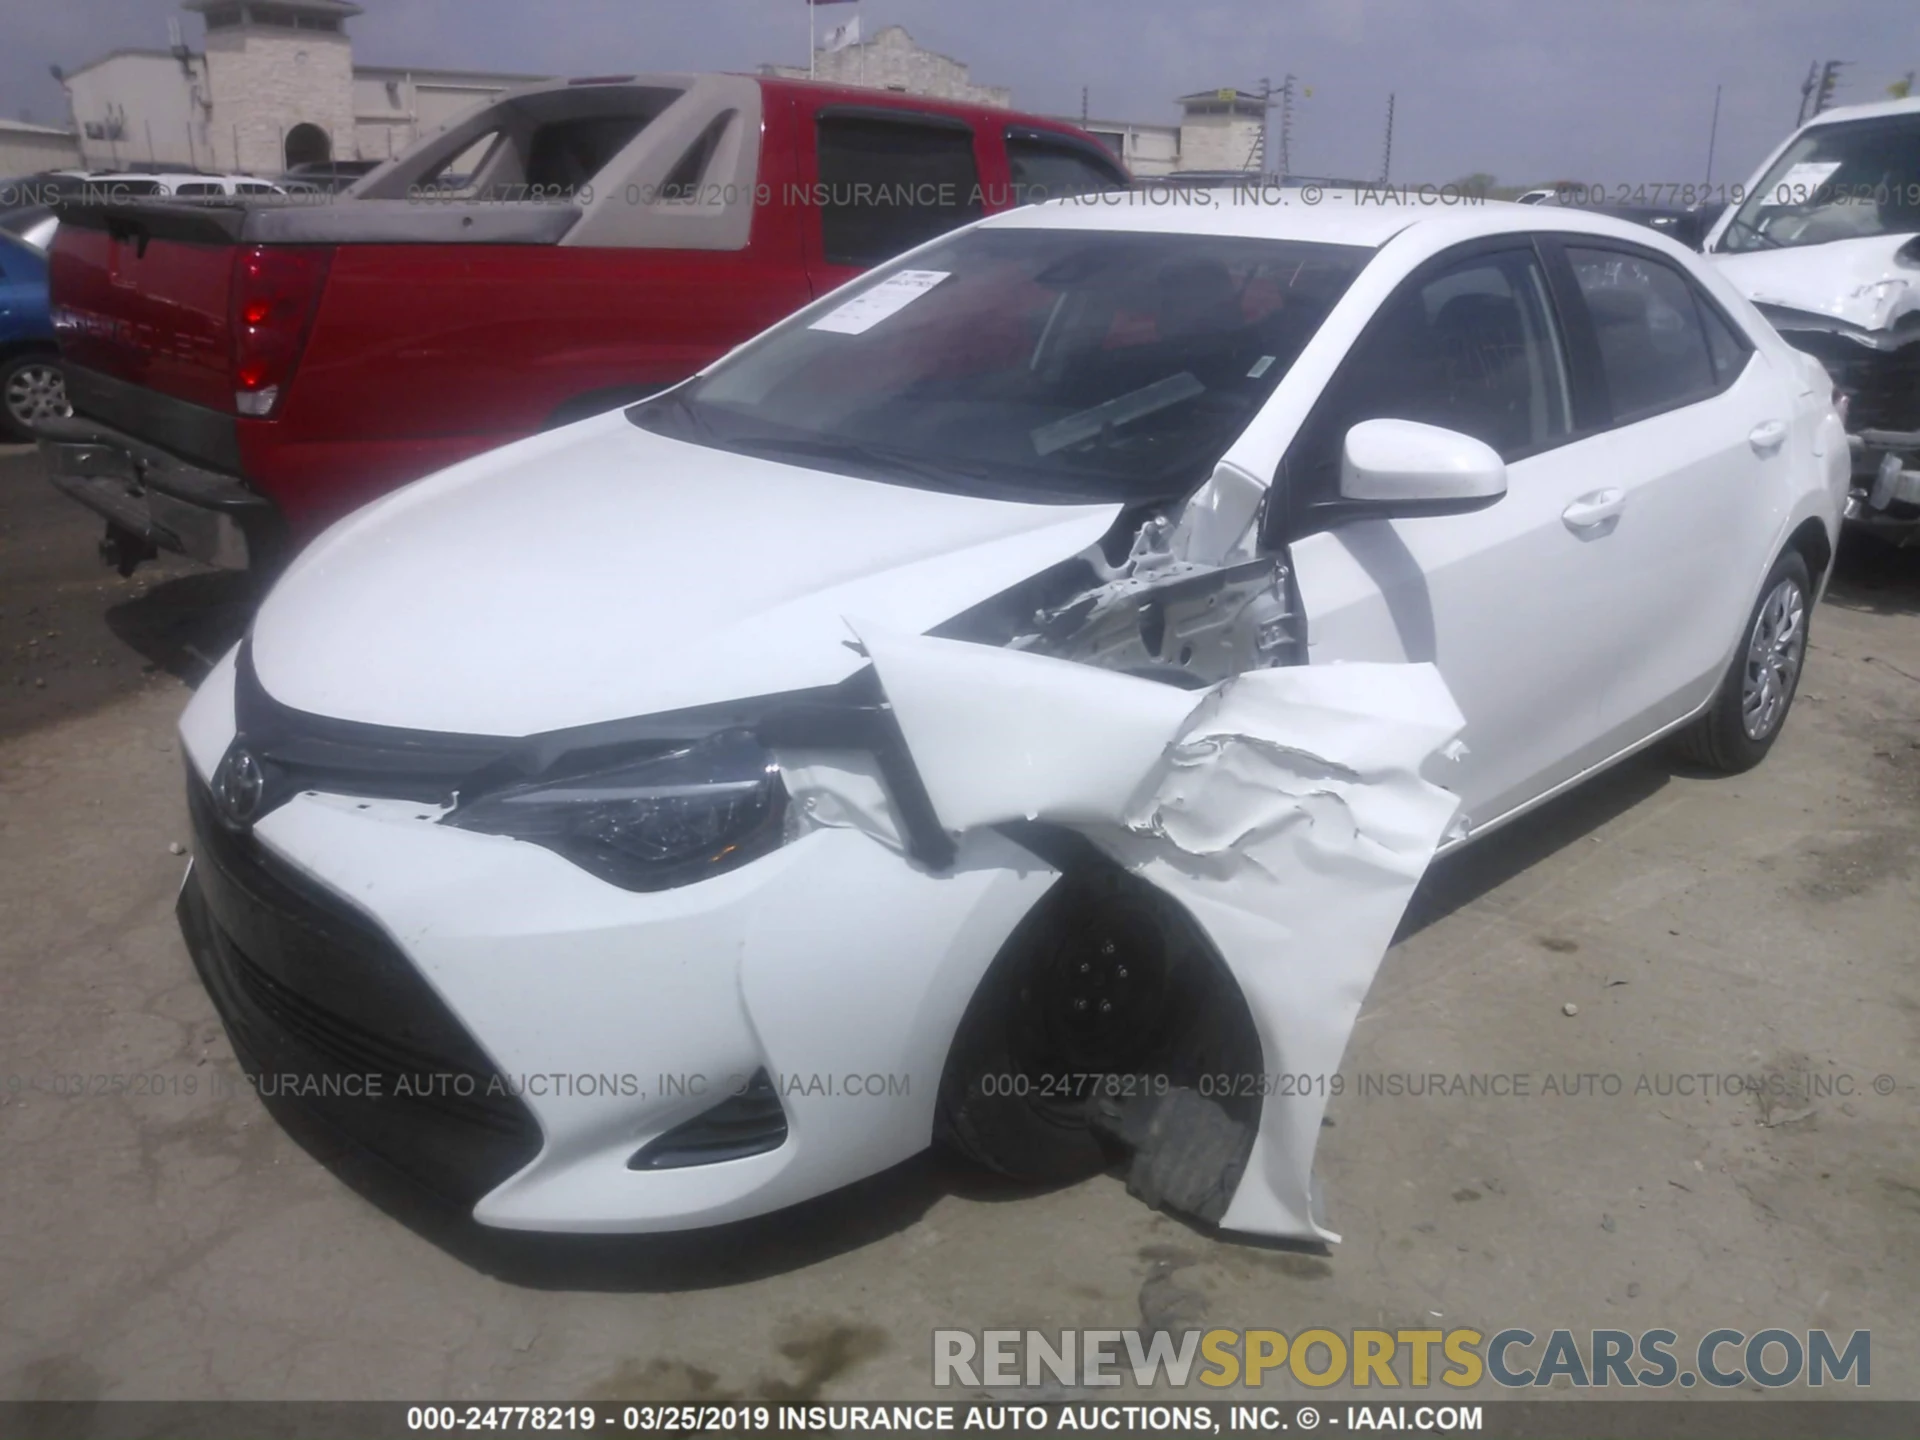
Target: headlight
649	824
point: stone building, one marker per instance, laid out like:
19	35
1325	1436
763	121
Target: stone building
891	61
1222	130
273	85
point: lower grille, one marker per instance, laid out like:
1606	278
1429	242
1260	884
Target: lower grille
324	1011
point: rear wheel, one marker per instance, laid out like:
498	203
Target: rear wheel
1108	992
32	389
1758	688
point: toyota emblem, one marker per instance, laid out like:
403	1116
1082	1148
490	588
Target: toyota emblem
238	785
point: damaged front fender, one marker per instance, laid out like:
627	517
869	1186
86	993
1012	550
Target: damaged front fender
1283	808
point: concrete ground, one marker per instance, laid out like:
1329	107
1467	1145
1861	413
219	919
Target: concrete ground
171	1244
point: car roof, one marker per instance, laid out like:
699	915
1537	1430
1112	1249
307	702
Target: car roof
11	241
173	177
1872	111
1367	218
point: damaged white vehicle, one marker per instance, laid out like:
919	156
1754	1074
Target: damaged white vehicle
1010	703
1827	246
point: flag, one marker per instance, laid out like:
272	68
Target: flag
841	36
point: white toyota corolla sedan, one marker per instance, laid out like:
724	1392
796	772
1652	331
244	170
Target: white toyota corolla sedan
1008	703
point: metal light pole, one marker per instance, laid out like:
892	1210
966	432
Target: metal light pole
1386	159
1713	131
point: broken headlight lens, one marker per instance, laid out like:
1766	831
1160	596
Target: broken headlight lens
667	820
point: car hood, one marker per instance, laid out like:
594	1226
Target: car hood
1857	282
601	572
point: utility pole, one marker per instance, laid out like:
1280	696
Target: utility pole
1083	104
1261	148
1806	93
1713	131
1286	127
1829	76
1386	157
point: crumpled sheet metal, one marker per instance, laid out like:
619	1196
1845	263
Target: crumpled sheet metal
1284	808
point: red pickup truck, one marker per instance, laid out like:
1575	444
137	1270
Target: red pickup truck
244	373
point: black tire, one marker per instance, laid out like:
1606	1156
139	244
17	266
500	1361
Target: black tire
1723	738
1017	1093
31	387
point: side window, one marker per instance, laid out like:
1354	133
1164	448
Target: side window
254	187
197	187
1653	348
1472	348
1725	343
1047	170
886	186
682	185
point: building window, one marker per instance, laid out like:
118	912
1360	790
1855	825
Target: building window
223	18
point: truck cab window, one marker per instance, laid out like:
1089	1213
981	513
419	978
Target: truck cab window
886	186
1044	170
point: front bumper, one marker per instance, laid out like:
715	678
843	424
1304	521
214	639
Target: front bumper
381	942
322	1008
1886	492
151	493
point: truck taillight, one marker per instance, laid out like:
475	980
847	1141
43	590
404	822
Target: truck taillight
276	290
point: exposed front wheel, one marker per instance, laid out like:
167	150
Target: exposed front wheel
1758	688
1106	995
32	389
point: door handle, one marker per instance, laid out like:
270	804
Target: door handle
1768	436
1594	508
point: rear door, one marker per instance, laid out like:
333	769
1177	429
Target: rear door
883	180
1699	428
1510	602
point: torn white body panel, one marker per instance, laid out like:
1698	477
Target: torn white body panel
1283	808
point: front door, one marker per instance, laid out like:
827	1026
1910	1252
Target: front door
1509	602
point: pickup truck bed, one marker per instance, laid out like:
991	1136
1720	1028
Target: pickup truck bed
243	374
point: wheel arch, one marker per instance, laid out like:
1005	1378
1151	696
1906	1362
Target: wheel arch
1206	1026
1810	538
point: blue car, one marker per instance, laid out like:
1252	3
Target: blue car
31	386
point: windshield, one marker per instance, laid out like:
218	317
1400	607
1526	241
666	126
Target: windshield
1027	364
1836	182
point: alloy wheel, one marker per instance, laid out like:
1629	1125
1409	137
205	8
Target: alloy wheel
1775	651
36	392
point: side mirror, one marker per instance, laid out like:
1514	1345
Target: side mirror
1401	467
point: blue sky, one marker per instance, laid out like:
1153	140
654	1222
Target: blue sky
1524	89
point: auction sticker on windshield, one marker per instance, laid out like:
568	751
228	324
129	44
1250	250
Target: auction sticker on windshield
1808	175
890	296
